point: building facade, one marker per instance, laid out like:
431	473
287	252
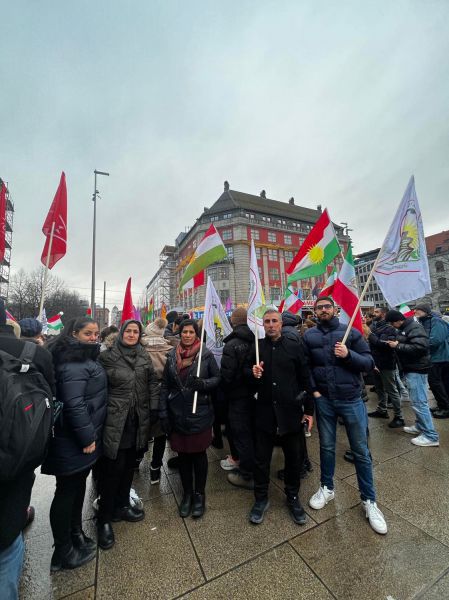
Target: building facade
363	264
5	264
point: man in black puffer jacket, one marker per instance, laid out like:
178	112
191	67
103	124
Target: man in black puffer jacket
336	369
290	323
239	396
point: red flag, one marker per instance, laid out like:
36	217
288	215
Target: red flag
57	215
128	310
2	221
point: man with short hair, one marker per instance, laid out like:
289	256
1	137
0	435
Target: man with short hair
282	376
336	383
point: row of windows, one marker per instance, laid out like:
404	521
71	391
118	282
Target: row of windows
255	235
221	272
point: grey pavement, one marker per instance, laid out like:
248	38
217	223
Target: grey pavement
222	556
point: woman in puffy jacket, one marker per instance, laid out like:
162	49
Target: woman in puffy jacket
132	385
190	433
81	386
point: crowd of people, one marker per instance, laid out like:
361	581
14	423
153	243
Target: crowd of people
115	391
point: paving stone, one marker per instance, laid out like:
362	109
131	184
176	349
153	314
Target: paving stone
355	563
437	591
87	594
438	459
277	575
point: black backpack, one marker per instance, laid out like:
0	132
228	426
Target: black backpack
26	413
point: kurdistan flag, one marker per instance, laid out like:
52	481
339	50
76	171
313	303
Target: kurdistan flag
209	250
319	249
216	322
346	293
256	300
54	324
291	302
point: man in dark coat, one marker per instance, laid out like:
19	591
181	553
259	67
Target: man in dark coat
385	369
282	376
412	349
239	397
15	495
290	324
336	369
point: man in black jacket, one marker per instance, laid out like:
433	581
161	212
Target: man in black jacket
385	369
283	375
15	495
336	369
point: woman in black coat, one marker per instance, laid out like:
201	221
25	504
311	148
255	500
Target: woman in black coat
132	385
81	386
190	433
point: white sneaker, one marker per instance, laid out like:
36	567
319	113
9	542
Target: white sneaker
229	464
412	429
321	498
422	440
134	499
375	517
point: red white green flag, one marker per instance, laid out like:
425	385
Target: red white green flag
54	324
319	249
406	310
291	302
328	288
210	250
346	293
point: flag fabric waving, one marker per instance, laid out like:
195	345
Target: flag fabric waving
319	248
406	310
54	324
291	302
216	323
330	283
401	269
2	220
128	309
195	282
346	293
57	215
256	300
163	310
150	314
209	250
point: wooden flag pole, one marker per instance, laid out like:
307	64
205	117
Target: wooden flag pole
47	262
200	354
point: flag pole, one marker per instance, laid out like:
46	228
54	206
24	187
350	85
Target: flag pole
200	354
47	262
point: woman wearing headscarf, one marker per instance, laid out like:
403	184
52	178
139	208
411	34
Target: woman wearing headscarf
190	433
131	386
81	386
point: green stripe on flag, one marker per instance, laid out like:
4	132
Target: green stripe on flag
330	252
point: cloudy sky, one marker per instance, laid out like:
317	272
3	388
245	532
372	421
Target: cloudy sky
334	103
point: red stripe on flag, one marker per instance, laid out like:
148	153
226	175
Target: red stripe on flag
315	235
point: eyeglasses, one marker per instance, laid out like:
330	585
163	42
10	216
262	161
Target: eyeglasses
324	307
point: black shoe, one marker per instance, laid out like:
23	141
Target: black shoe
440	414
80	539
68	557
349	456
137	464
396	422
281	474
155	475
198	505
128	513
434	409
308	465
173	462
296	511
378	414
186	506
217	443
258	511
390	405
105	535
303	474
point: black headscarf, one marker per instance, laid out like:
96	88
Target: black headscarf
129	352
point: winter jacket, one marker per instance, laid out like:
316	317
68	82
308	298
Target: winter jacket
290	325
280	401
237	346
132	385
333	377
438	332
413	348
384	356
82	388
176	400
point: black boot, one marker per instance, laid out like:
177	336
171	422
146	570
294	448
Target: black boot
308	465
105	535
186	505
198	505
131	514
258	511
296	510
173	462
65	556
80	539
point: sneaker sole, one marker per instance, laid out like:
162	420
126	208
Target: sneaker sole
229	468
155	481
258	521
411	432
324	505
426	445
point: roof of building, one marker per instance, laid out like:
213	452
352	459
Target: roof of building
438	240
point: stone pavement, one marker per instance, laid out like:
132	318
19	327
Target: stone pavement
223	556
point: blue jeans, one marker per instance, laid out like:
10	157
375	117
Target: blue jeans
417	389
11	560
353	413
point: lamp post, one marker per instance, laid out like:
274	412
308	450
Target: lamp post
94	199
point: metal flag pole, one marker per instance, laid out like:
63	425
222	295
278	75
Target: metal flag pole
200	354
47	262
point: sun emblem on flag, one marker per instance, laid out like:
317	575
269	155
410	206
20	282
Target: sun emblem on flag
316	254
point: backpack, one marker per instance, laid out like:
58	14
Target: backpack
26	413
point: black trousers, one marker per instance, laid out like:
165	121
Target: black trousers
67	506
190	465
241	422
158	451
292	445
436	384
115	477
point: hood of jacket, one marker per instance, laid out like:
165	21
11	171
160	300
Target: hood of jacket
241	332
68	349
289	319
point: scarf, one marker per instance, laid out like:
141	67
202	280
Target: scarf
186	355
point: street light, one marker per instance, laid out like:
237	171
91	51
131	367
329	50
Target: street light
94	199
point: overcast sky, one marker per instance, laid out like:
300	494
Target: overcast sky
334	103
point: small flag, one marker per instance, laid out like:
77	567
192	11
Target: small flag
151	310
57	215
228	306
346	293
291	302
328	288
209	250
127	311
9	316
163	310
54	324
2	220
406	310
256	300
216	323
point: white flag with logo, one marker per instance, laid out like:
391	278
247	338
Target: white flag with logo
256	300
402	270
216	322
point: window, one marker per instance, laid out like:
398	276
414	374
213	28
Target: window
274	273
258	254
226	234
275	294
212	273
214	218
255	234
287	239
442	283
439	266
438	250
224	295
223	272
271	236
288	256
272	254
268	219
227	216
260	273
230	251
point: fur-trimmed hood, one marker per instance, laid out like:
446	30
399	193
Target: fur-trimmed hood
109	340
67	349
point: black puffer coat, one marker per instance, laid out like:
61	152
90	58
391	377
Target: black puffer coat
384	356
82	387
132	384
337	378
290	324
237	347
413	350
176	400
